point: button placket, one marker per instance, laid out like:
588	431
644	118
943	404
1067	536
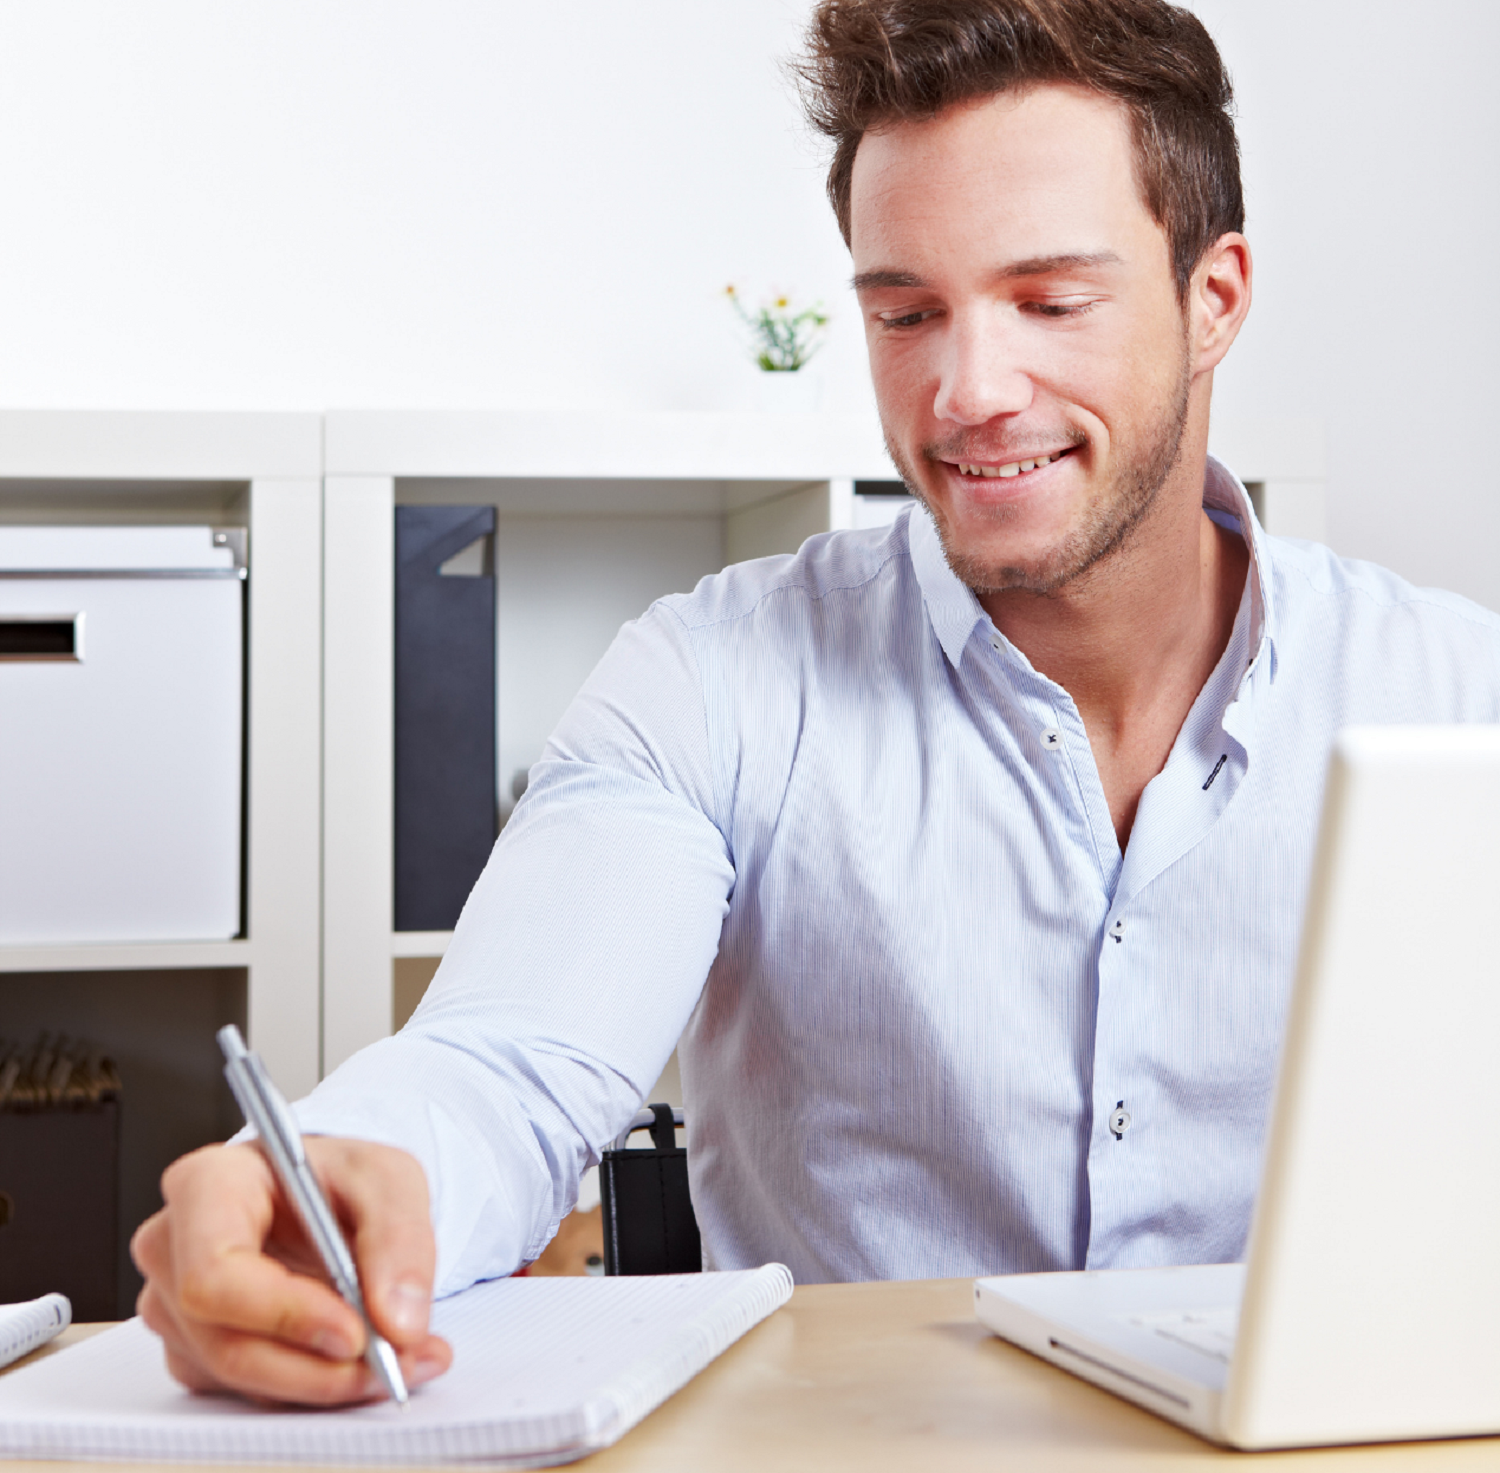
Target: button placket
1032	700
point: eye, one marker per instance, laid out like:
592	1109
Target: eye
906	319
1071	308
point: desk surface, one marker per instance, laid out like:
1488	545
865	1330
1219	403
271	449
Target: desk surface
879	1377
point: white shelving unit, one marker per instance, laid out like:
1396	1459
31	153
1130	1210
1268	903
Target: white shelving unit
597	515
262	471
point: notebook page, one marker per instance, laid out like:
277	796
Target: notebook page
25	1326
544	1371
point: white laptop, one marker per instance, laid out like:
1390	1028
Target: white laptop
1369	1305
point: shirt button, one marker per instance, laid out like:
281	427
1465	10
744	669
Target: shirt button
1118	930
1052	739
1119	1121
995	645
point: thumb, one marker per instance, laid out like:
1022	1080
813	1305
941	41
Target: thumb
381	1192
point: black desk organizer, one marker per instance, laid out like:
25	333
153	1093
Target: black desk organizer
59	1175
446	799
647	1213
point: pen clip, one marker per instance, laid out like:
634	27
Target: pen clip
277	1109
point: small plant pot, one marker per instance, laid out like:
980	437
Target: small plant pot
790	391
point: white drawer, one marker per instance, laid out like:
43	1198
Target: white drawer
121	763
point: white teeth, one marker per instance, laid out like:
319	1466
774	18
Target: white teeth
1015	468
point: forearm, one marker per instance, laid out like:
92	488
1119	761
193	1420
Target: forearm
573	970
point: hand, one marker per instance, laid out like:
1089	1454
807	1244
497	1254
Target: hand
240	1298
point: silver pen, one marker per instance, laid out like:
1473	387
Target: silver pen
281	1141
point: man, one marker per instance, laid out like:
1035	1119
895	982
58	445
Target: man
989	831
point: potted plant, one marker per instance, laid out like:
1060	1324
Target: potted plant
782	339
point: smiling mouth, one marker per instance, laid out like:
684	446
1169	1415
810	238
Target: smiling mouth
1013	468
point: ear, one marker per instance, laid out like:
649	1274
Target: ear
1218	299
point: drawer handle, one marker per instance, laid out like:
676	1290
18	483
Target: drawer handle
41	637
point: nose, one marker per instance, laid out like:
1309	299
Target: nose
982	374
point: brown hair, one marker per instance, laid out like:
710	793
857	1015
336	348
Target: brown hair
875	62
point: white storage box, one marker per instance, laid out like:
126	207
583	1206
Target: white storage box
121	733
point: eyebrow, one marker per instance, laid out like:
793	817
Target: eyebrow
1032	266
868	280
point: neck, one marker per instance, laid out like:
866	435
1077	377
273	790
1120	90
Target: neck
1134	639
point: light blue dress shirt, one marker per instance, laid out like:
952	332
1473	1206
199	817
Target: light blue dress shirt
823	820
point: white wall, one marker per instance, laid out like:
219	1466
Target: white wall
315	203
434	203
1371	139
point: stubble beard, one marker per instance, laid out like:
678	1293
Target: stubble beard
1106	526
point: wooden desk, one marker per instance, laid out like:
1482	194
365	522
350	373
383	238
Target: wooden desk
900	1377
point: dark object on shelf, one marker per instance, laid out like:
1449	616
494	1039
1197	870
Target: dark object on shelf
446	789
59	1175
649	1226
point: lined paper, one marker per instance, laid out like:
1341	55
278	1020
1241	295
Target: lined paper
545	1370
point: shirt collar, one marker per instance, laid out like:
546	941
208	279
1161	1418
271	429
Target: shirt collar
955	612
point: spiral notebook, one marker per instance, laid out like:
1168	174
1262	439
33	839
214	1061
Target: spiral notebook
545	1370
24	1327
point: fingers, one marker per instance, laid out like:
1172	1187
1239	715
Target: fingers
217	1360
205	1358
382	1196
233	1315
222	1208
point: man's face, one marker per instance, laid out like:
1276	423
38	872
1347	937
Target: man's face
1029	353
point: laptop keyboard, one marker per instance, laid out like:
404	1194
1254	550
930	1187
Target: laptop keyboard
1208	1330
